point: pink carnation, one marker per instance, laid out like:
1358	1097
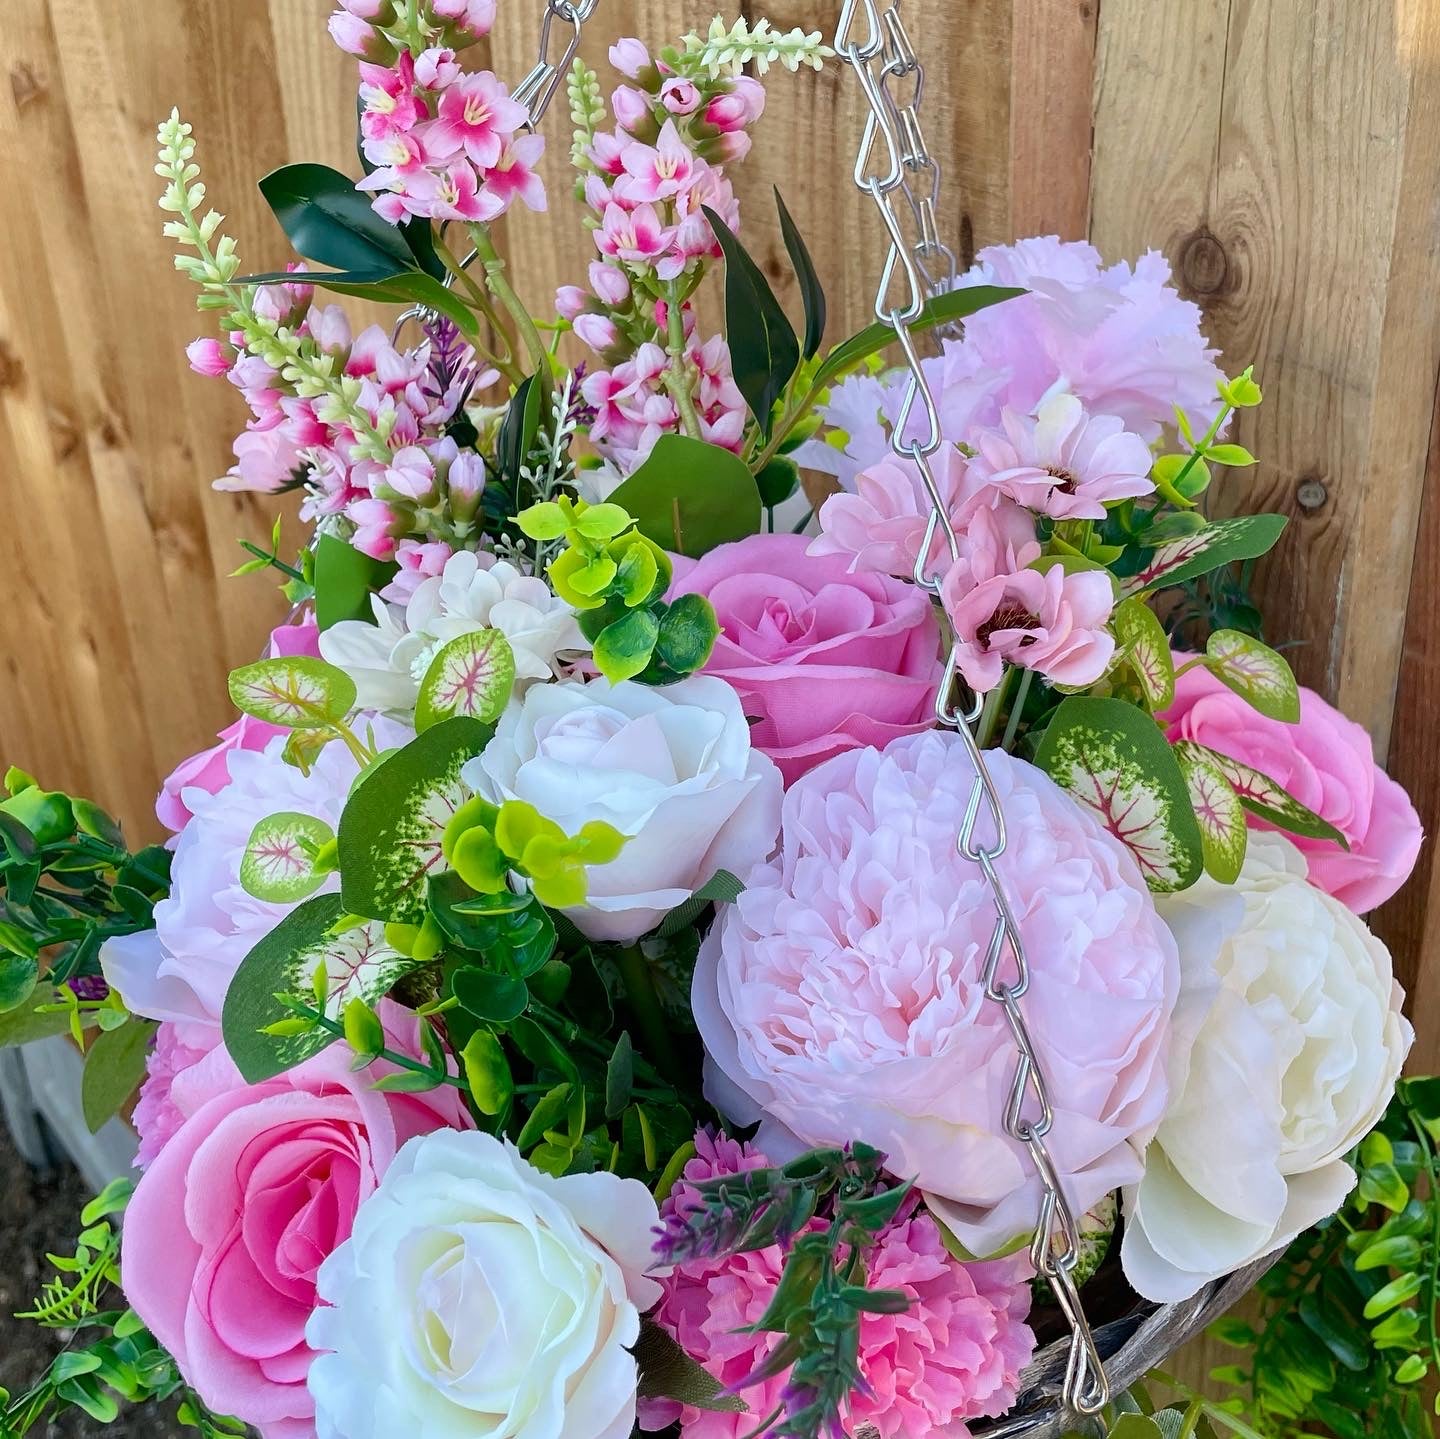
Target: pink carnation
1327	762
954	1355
157	1117
842	996
209	770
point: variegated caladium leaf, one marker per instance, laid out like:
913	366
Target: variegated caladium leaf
1224	830
394	822
471	675
359	964
1267	800
293	691
1256	673
1147	651
1115	761
279	862
1221	542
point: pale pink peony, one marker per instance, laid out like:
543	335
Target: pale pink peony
841	997
1051	622
1327	762
1064	462
955	1355
209	770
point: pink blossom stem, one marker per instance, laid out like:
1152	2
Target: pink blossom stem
678	376
503	291
504	360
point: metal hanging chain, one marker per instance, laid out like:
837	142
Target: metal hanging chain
538	88
894	159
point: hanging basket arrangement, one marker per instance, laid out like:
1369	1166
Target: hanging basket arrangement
767	885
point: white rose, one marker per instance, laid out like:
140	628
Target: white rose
1288	1042
388	659
478	1297
671	767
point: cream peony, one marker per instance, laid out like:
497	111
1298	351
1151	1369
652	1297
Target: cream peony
672	767
478	1297
1289	1040
388	659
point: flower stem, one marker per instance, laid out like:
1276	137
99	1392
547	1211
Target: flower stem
640	989
503	291
1017	710
390	1056
990	714
504	356
678	374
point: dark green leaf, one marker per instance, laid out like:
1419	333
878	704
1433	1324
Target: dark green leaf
778	481
519	429
19	974
344	581
419	236
494	998
619	1077
547	1113
624	648
812	293
114	1069
331	222
721	888
22	1026
764	352
508	929
688	631
408	287
668	1372
1333	1327
690	497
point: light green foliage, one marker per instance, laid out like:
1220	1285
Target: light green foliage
728	49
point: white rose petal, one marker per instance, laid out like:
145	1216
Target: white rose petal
671	767
388	659
1288	1042
478	1298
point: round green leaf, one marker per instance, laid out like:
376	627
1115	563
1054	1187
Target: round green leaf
19	974
494	998
472	675
279	863
293	691
624	648
688	633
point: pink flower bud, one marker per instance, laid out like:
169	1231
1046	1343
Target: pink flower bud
437	67
208	357
680	97
329	327
726	113
466	483
273	302
752	95
630	57
571	302
475	16
411	475
632	110
364	9
597	331
610	283
351	33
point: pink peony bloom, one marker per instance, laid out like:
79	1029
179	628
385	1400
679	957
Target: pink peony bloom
233	1218
825	660
209	770
1051	622
842	996
1328	763
1063	462
954	1355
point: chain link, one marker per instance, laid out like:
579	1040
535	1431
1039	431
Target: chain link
894	161
538	88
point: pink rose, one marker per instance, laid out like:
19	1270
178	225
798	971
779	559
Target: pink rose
209	770
1328	764
826	660
228	1226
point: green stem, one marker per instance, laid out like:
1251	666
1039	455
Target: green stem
504	361
678	373
1200	449
364	757
990	714
654	1028
390	1056
1427	1150
783	427
1017	710
503	291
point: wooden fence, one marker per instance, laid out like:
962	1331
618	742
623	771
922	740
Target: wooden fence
1285	154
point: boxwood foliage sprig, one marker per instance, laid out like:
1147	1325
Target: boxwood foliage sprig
616	577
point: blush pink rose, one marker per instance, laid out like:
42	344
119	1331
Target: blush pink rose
256	1186
208	770
1326	762
825	660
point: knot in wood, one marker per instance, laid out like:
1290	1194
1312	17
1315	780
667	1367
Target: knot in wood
1203	267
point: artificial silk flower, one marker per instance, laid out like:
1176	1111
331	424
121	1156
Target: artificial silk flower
1289	1040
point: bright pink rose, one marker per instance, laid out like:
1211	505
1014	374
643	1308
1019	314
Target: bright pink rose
954	1355
207	770
842	996
1327	762
826	660
228	1226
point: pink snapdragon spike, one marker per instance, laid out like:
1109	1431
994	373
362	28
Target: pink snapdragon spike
476	117
1063	462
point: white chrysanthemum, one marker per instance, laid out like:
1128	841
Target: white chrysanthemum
1289	1040
388	659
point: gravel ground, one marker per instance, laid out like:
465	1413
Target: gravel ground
39	1214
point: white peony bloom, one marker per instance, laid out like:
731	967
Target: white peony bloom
388	659
671	767
478	1298
1288	1042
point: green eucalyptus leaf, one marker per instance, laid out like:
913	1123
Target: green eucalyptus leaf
279	861
812	292
1115	761
689	496
114	1071
345	580
393	825
764	352
1256	673
331	222
493	998
359	964
473	675
293	691
47	814
1222	542
688	631
624	648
